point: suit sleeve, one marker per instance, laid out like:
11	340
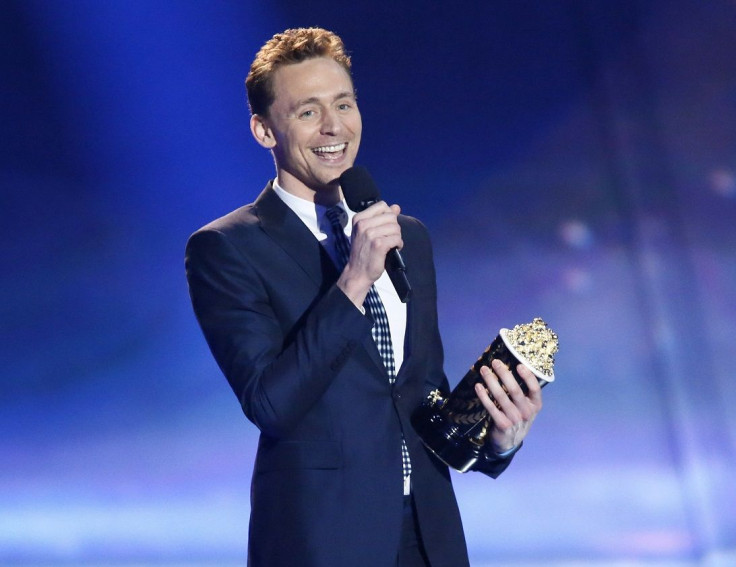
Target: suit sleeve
276	378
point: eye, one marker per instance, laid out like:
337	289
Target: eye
307	114
343	106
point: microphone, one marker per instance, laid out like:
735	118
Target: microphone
360	193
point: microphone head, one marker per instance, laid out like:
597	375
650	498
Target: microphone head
359	189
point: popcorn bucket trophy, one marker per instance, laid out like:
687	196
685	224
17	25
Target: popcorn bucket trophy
454	427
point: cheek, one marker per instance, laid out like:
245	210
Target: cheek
301	140
357	125
292	146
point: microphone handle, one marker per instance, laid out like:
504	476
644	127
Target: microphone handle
397	272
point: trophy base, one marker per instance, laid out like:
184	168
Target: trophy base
438	435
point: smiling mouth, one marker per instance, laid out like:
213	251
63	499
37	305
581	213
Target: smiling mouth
330	152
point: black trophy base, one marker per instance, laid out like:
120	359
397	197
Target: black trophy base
440	437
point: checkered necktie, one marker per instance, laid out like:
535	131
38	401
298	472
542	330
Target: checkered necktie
380	331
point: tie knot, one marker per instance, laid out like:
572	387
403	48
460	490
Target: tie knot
341	245
337	217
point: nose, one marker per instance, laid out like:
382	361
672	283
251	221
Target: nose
331	122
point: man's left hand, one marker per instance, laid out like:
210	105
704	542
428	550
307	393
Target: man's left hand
516	411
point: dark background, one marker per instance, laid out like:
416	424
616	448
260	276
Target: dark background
574	160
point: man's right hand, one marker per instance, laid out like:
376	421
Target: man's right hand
376	230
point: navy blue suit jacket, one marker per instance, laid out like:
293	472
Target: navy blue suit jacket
327	482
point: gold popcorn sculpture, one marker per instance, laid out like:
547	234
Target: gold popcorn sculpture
454	427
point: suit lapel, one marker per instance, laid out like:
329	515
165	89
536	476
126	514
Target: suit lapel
287	229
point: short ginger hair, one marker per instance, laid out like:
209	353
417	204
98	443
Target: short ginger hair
289	47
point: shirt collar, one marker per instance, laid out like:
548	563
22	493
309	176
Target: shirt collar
312	214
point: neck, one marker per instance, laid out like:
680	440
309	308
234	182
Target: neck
326	195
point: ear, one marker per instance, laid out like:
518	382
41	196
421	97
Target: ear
261	131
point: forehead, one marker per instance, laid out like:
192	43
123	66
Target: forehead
319	78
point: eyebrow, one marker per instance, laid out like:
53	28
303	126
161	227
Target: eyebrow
316	100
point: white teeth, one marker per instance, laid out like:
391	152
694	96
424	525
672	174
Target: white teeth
329	149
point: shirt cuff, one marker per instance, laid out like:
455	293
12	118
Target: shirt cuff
506	454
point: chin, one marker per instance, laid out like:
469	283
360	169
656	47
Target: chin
332	178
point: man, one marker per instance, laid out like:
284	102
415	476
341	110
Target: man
340	477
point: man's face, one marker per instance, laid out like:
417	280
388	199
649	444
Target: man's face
313	126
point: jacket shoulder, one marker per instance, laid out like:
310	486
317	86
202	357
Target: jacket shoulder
244	218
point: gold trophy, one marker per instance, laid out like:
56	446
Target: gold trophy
454	427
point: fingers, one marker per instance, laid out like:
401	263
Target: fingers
509	397
512	412
501	406
377	209
532	383
376	230
489	399
379	224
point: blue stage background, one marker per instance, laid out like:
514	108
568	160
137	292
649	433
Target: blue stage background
574	160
